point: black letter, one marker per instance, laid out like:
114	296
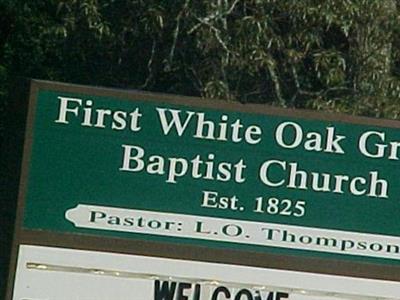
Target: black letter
93	215
165	292
181	287
244	292
238	230
223	290
197	289
280	296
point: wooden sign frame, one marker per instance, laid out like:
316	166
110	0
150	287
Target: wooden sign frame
171	250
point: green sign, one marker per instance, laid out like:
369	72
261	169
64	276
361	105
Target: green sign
143	166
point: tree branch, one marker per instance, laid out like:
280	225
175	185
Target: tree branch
176	33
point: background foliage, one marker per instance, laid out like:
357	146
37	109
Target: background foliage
334	55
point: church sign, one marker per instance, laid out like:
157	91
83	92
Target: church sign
111	167
254	179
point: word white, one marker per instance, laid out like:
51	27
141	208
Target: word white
207	129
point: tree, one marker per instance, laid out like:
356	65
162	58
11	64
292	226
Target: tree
326	55
330	55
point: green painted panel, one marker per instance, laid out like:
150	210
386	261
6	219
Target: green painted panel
108	152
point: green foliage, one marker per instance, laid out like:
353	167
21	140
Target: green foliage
330	55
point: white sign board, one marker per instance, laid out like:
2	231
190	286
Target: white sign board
45	273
